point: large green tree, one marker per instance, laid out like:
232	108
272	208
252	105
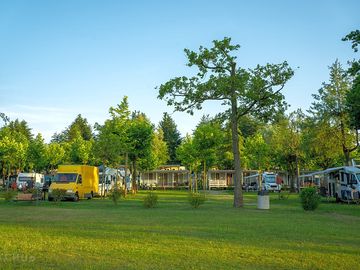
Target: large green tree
172	136
208	138
79	126
80	149
20	127
330	106
13	148
187	154
257	152
140	137
159	150
321	150
353	96
55	154
36	154
15	137
285	142
244	91
111	141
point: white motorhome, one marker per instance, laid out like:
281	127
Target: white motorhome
343	183
108	178
29	180
269	182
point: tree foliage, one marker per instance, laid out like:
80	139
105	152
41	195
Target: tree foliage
171	136
78	126
353	96
36	154
159	150
55	155
244	91
111	142
140	137
330	106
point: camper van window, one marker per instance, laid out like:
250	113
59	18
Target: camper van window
270	178
354	179
24	179
79	179
343	177
66	177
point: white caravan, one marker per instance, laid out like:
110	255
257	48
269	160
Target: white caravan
107	180
342	183
29	180
269	182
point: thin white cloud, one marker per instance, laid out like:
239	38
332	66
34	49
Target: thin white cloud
40	108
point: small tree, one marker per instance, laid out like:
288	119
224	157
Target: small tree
196	199
115	194
310	199
150	200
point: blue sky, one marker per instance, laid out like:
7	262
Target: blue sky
62	58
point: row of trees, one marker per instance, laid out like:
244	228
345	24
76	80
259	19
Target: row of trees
253	133
125	138
255	93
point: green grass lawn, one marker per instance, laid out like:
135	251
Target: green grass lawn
96	234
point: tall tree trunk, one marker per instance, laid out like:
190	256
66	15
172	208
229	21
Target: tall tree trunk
297	174
204	181
347	150
103	186
196	183
292	177
347	156
238	196
126	168
190	180
134	177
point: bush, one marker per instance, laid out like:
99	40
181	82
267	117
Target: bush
9	195
196	199
150	200
58	194
309	198
115	194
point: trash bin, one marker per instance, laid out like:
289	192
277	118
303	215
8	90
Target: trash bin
263	200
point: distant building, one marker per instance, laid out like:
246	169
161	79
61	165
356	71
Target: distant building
166	176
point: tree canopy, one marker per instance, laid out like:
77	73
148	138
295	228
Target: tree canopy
171	136
244	91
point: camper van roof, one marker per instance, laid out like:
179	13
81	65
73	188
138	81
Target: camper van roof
352	169
348	169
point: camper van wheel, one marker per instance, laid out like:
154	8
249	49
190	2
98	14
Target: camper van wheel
337	198
76	197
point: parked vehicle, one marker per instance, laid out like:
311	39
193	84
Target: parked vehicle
79	181
29	180
108	178
342	183
269	182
